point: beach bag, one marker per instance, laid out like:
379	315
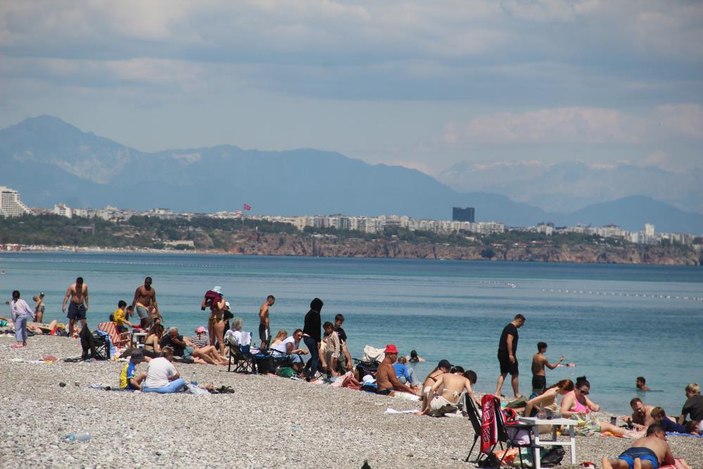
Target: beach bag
285	372
552	457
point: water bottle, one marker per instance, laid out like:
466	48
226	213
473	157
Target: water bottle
193	381
73	437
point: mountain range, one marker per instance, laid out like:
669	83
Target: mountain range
50	161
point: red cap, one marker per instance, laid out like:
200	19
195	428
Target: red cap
391	348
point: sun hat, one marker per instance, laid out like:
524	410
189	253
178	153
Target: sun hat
200	330
391	348
217	289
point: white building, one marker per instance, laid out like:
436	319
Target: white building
63	210
10	203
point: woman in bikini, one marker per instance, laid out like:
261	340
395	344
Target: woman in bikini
443	367
152	349
548	399
576	404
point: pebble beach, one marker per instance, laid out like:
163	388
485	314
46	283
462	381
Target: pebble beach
267	422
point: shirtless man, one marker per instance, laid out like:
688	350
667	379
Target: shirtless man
144	300
447	390
641	414
77	292
648	452
539	361
386	381
264	322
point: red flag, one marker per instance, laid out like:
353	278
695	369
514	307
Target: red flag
247	207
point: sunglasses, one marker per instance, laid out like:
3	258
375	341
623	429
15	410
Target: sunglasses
585	393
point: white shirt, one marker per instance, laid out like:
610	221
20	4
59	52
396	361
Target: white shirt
238	338
159	372
283	346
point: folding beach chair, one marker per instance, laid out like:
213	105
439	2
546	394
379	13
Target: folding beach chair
117	339
514	434
241	358
470	410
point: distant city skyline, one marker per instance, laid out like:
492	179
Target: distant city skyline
418	84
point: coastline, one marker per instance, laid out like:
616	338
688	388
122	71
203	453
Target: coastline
268	421
399	250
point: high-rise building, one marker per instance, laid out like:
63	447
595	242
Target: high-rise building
10	203
463	214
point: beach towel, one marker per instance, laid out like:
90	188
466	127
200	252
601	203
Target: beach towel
489	427
373	354
680	464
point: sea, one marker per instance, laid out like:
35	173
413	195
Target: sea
613	322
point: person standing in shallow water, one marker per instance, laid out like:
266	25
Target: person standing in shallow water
312	336
507	355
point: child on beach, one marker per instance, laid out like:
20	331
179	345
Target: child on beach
129	380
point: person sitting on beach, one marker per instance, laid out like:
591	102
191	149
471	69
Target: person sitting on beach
118	317
414	357
641	384
161	376
345	359
641	414
386	381
648	452
693	407
235	336
404	373
539	362
278	338
152	347
201	350
330	349
660	417
39	307
129	380
576	404
448	389
443	367
290	347
548	399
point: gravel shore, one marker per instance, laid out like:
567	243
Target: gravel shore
267	422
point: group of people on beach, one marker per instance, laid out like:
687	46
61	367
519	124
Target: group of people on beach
327	346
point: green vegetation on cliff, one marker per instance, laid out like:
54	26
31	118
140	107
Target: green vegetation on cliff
256	237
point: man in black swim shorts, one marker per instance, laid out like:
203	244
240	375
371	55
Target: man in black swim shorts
507	355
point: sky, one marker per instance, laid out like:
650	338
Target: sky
423	84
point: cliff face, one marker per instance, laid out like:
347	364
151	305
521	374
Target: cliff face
321	246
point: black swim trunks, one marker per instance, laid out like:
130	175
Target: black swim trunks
76	311
384	392
539	382
506	366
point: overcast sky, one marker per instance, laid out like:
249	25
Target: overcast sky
424	84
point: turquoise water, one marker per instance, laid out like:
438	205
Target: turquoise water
614	322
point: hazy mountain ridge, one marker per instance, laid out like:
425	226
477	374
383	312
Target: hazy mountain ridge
50	161
575	185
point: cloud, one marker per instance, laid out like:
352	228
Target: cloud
580	125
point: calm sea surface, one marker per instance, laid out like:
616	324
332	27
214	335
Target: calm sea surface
614	322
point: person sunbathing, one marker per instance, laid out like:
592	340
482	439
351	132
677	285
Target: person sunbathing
576	404
443	367
648	452
202	351
548	399
448	389
386	381
152	347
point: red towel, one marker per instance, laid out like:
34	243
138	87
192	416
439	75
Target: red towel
489	427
